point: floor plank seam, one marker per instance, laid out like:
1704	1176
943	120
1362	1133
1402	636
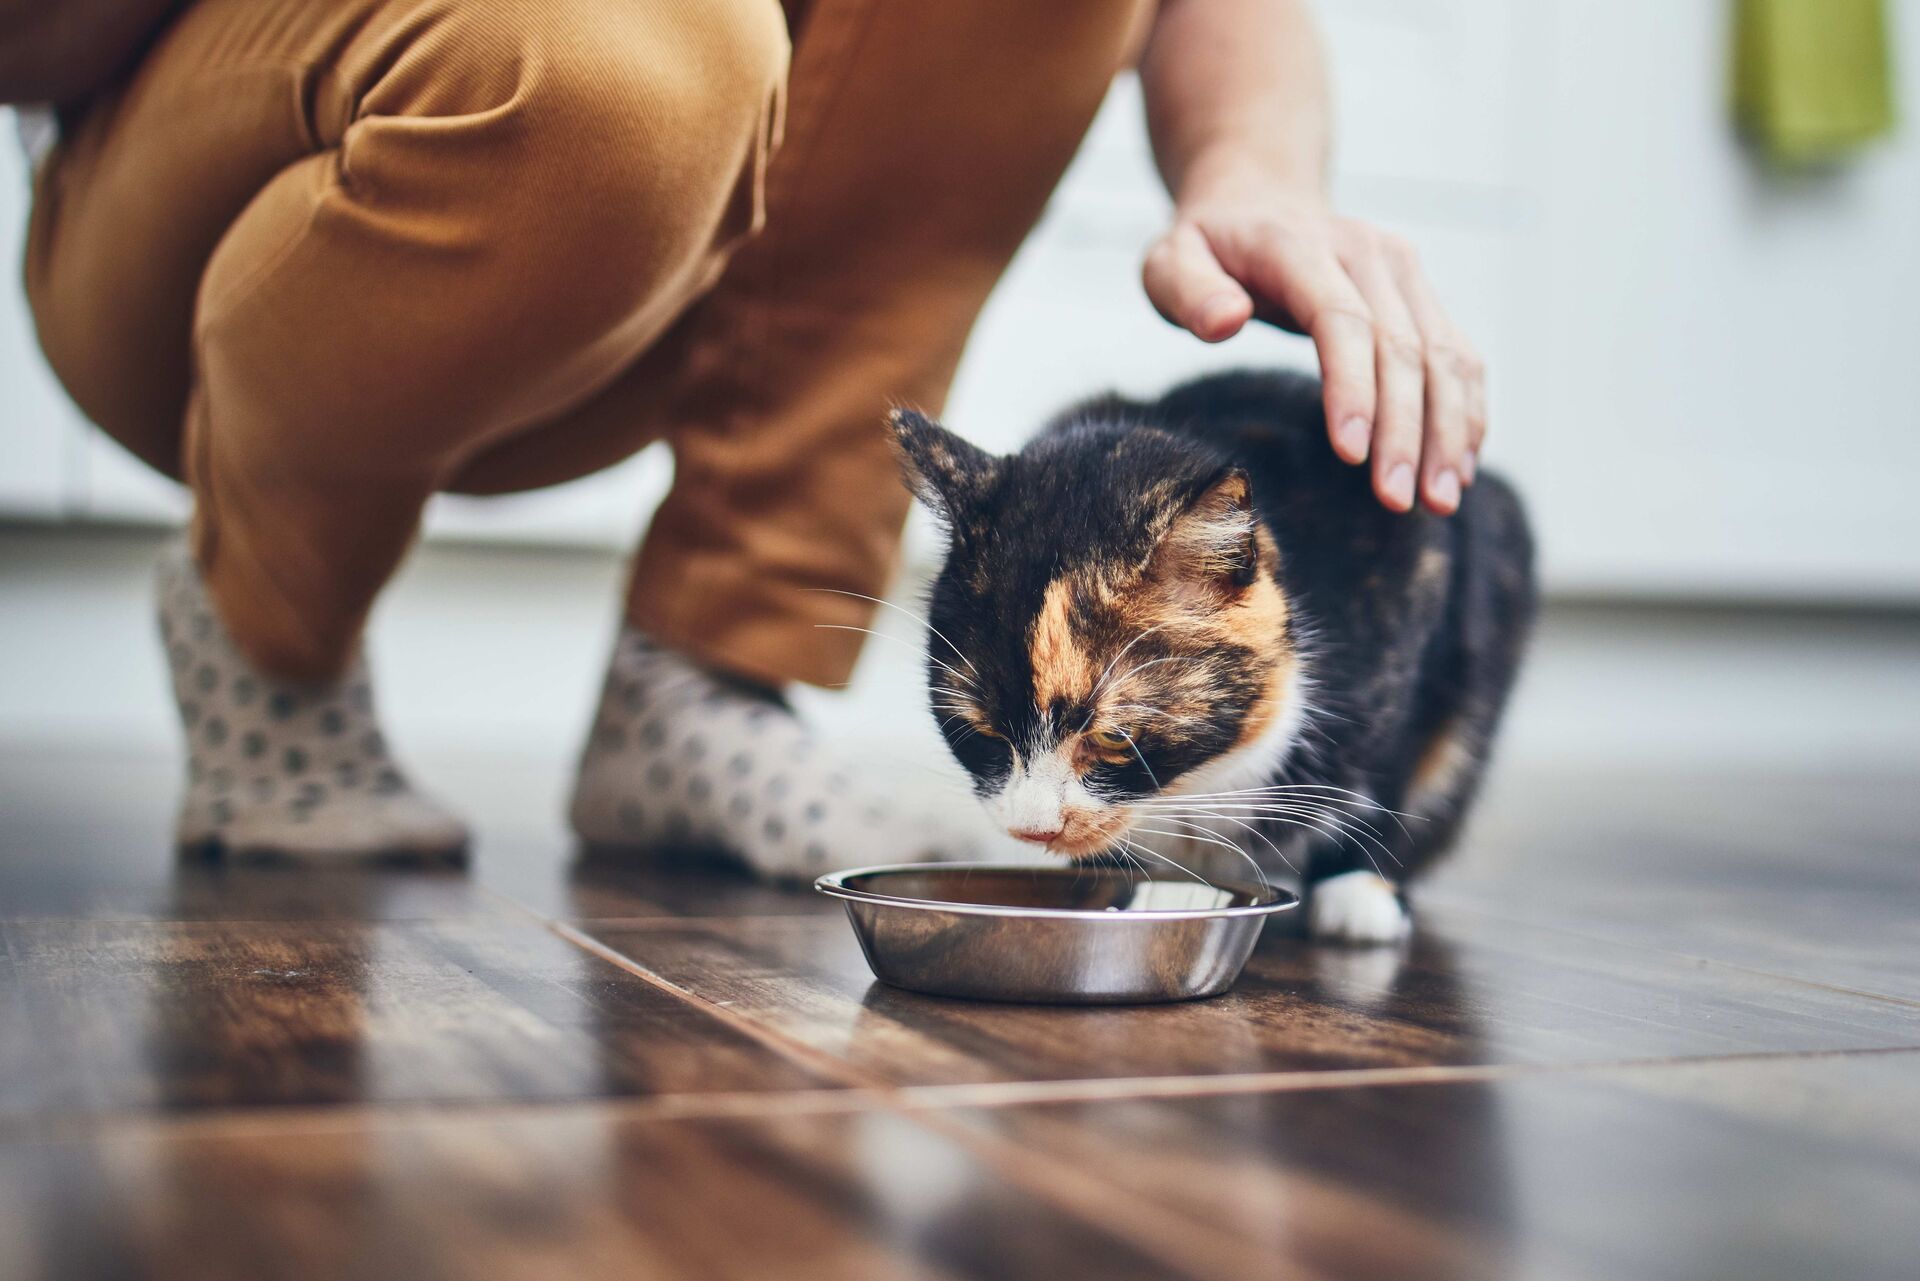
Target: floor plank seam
666	921
1169	1237
1121	1089
524	909
772	1104
795	1051
1171	1086
333	1118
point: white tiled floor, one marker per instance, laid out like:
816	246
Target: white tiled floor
488	658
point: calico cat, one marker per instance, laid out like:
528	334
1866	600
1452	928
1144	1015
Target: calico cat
1187	628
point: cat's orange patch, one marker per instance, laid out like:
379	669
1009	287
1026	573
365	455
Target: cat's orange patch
1062	669
1177	597
1443	762
1260	624
1261	715
1181	598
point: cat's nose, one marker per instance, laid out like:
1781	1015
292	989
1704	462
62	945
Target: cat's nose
1039	836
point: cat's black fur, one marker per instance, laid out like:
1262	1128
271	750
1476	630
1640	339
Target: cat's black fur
1410	627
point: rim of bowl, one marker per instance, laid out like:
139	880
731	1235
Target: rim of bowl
834	884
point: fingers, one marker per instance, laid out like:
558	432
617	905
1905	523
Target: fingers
1400	365
1456	392
1190	289
1444	470
1403	389
1323	302
1344	340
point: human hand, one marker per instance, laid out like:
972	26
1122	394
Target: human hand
1402	385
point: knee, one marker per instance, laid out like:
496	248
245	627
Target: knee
642	121
570	166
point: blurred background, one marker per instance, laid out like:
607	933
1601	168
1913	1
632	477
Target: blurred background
1704	381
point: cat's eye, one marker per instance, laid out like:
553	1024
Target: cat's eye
1110	740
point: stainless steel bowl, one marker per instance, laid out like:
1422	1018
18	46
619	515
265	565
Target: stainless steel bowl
1055	934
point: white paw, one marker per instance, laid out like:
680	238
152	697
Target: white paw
1357	907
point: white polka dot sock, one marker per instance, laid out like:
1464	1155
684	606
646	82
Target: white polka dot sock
682	758
278	768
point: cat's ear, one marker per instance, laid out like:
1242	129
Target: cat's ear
948	474
1213	541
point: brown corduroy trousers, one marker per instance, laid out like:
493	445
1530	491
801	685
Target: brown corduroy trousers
323	258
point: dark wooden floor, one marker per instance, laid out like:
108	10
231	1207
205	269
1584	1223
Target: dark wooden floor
1650	1027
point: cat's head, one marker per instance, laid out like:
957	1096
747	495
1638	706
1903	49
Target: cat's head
1108	626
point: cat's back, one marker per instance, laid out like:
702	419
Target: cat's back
1282	402
1258	407
1344	544
1271	421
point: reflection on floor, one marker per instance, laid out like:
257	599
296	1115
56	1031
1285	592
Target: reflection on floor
1661	1019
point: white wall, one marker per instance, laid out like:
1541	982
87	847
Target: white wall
1703	377
40	431
1724	373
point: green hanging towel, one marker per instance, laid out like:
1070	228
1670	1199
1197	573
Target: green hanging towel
1812	79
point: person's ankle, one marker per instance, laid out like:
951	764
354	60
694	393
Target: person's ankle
747	687
279	767
299	656
681	755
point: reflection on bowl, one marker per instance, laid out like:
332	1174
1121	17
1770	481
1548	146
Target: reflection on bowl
1061	935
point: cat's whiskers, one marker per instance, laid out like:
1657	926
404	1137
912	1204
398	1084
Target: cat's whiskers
972	730
1132	864
1356	797
1201	832
1257	834
1301	816
958	700
1150	711
948	783
1328	826
1301	791
1093	695
950	701
1137	756
1137	668
1301	797
1150	852
898	640
918	618
1296	804
1320	711
1339	834
1263	804
1269	806
1133	860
